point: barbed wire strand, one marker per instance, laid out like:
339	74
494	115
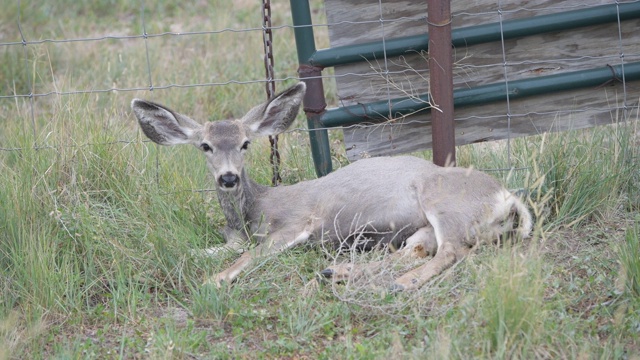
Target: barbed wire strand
394	122
284	79
565	7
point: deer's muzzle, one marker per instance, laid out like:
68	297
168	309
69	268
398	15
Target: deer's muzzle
228	180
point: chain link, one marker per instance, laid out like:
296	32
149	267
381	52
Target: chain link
267	37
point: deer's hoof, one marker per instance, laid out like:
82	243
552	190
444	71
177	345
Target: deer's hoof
327	273
396	288
217	281
211	283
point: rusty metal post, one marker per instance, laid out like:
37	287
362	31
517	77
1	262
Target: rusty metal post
441	81
314	102
314	107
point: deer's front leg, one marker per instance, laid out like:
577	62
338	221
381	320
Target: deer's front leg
273	244
236	242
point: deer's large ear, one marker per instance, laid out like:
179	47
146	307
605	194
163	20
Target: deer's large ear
277	114
164	126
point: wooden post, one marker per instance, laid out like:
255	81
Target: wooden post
441	82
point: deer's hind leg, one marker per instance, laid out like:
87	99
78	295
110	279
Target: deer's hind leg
447	255
452	247
419	245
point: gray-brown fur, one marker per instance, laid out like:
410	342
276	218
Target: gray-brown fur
399	199
236	207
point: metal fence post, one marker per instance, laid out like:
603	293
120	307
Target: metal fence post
441	81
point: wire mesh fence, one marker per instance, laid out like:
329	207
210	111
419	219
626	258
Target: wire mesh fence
51	66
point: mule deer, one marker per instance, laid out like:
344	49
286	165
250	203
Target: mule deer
401	199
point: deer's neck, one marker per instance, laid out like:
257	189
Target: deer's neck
237	204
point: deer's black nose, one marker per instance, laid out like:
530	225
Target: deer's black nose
228	180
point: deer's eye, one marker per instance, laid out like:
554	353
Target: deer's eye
205	147
245	145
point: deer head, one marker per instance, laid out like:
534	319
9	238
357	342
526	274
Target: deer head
223	142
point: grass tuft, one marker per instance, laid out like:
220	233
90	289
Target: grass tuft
629	252
512	306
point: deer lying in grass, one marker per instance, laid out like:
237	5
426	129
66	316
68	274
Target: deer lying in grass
405	199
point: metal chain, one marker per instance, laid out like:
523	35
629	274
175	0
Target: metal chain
267	38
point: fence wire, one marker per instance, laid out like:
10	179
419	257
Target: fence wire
256	30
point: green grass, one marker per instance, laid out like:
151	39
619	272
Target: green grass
630	260
96	224
513	305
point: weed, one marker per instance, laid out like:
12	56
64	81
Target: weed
630	260
512	305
